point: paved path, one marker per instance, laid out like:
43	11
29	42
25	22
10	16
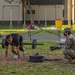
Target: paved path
42	37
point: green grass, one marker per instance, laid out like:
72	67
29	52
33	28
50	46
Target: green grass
29	68
4	29
11	27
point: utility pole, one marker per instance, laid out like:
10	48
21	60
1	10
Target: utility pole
73	11
68	7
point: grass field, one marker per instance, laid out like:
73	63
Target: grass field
22	30
12	67
64	26
6	30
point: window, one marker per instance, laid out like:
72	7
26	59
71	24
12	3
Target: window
28	12
33	12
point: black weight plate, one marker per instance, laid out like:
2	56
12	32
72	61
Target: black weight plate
36	58
34	42
3	43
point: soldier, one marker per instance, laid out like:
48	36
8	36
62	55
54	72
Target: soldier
69	50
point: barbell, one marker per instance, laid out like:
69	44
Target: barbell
33	43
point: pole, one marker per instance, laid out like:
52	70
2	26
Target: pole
73	11
18	15
59	34
10	18
38	16
31	15
29	33
3	16
45	17
62	16
68	12
24	15
55	12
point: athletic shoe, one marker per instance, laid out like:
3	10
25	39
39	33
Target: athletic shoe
24	53
22	49
15	56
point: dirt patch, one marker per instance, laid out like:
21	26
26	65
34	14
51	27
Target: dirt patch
48	58
54	58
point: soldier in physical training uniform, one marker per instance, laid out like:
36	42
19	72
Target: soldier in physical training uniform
16	41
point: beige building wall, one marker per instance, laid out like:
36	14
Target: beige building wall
7	11
48	12
66	9
34	16
70	10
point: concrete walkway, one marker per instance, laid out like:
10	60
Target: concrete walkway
42	37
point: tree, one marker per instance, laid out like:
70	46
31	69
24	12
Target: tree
24	10
27	3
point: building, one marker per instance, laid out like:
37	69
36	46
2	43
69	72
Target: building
40	11
46	11
10	12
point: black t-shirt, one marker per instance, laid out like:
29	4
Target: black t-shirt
15	41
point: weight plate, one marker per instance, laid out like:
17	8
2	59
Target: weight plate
34	42
3	43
